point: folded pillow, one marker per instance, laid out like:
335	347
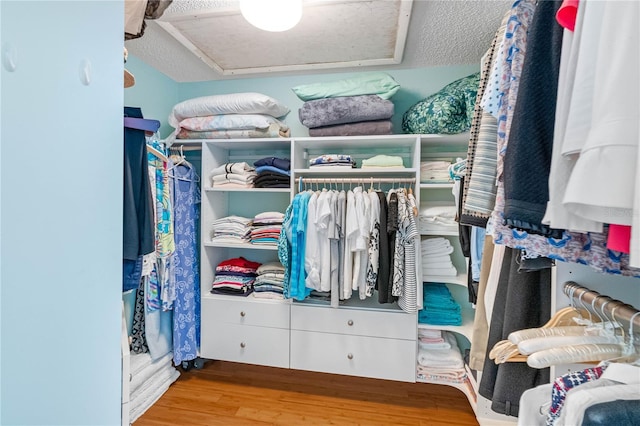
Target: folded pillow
228	122
376	83
448	111
233	103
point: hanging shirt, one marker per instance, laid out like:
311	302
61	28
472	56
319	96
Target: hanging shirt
374	244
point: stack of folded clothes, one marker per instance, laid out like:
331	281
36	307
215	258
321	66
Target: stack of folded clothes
441	358
266	228
233	175
235	277
229	116
436	257
435	172
269	283
349	107
435	217
383	161
231	230
439	307
332	161
272	172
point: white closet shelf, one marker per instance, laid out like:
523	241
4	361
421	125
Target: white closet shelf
370	303
273	247
440	233
207	295
246	144
460	279
214	189
426	185
365	173
380	141
466	329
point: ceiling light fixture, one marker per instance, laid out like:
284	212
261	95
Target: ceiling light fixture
272	15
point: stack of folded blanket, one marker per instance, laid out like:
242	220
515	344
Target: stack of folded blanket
435	217
230	116
235	277
231	230
269	283
435	171
150	379
349	107
332	161
272	172
436	257
233	175
266	228
383	161
441	358
439	307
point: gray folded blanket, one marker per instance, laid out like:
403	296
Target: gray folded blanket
362	128
345	109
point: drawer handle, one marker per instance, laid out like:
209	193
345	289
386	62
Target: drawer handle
242	313
350	356
350	322
243	345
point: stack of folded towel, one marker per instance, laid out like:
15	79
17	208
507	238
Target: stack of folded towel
272	172
235	277
269	283
439	307
437	218
441	358
436	257
383	161
231	230
349	107
229	116
233	175
435	172
332	161
266	228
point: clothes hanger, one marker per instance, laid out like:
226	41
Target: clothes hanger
142	124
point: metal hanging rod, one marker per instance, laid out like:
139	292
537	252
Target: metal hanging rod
362	180
600	305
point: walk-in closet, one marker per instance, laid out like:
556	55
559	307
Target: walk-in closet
292	212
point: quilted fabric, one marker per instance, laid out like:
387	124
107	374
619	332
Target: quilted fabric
448	111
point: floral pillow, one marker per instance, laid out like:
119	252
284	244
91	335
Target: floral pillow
448	111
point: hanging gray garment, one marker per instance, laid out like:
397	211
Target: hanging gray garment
523	300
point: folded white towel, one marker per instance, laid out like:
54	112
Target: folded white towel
447	272
443	358
237	168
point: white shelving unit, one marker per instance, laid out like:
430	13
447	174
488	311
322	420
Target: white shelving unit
359	337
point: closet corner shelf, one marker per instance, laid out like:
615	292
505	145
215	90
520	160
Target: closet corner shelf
460	279
464	388
273	247
214	189
466	329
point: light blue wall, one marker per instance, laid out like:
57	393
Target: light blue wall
61	214
154	92
415	84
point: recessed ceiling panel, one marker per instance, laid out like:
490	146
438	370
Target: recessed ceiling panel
331	34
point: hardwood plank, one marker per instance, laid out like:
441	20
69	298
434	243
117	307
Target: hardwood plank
225	393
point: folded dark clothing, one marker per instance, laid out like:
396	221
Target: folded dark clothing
265	169
271	179
280	163
273	185
232	292
235	274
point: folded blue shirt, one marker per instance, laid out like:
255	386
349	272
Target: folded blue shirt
273	169
280	163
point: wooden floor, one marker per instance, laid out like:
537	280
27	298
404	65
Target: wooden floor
225	393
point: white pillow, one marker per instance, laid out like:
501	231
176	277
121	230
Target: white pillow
228	122
233	103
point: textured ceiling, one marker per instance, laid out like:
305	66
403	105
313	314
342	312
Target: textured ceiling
333	35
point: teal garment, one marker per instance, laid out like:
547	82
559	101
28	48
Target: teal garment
448	111
284	248
296	226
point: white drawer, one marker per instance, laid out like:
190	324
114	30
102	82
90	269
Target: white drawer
245	312
354	355
395	325
248	344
